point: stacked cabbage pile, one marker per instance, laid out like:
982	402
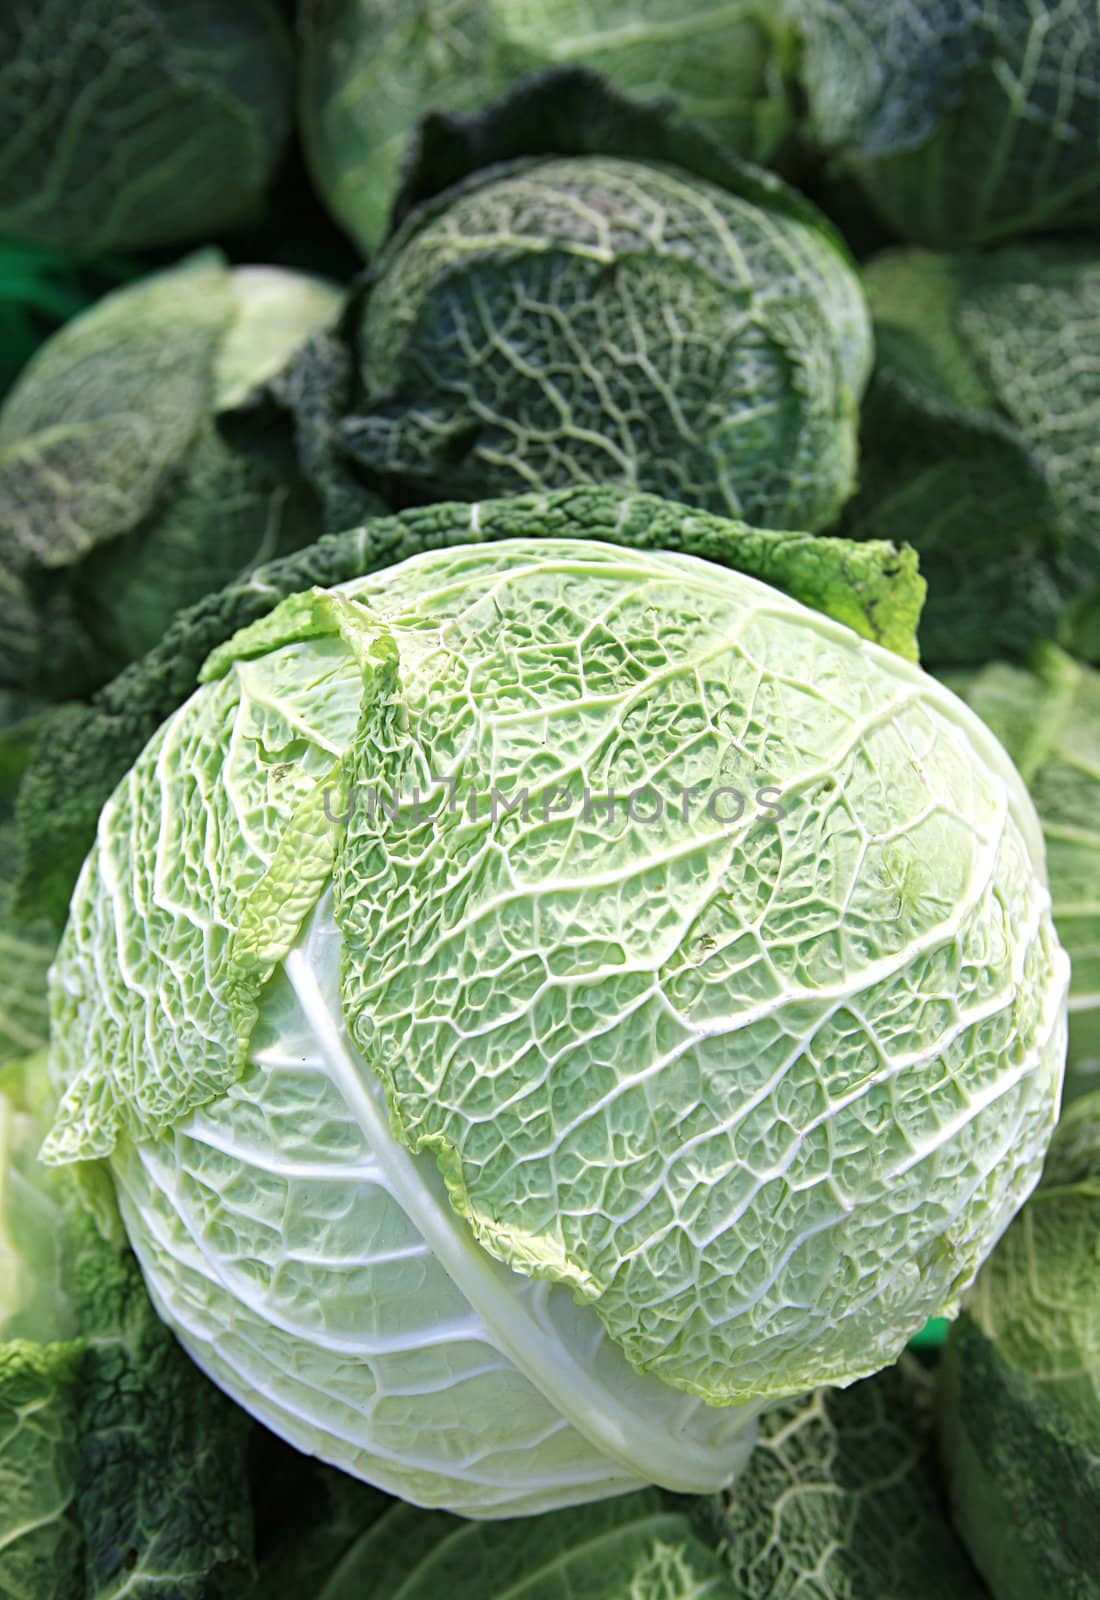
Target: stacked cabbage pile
549	775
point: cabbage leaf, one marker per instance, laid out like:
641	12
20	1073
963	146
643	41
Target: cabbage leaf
1020	1408
374	70
1047	715
122	1471
978	443
131	123
966	121
130	482
842	1500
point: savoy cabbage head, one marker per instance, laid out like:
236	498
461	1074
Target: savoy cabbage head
511	1146
966	121
132	478
131	123
978	443
595	320
373	70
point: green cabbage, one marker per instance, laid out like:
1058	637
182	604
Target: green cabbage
510	1157
966	121
978	443
131	123
603	321
131	480
373	69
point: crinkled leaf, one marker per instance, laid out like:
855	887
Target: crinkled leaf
26	944
41	1546
630	1546
121	1467
978	442
378	76
1020	1409
105	411
1031	318
130	123
842	1500
90	436
573	112
160	1484
261	747
591	320
967	121
595	937
144	462
1047	715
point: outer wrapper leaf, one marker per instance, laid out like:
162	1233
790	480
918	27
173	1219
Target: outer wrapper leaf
632	1546
122	1470
41	1545
160	1483
81	172
575	112
376	74
1020	1404
966	121
978	442
842	1500
1047	715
